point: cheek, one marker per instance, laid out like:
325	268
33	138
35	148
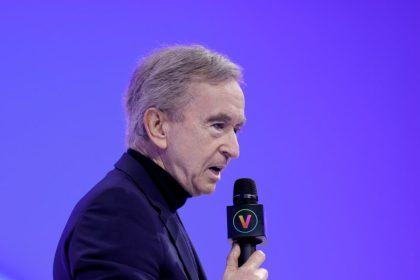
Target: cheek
184	152
191	148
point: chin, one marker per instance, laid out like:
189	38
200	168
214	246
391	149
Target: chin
208	189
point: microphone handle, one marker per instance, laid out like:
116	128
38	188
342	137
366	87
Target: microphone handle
246	251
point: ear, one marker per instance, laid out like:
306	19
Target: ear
155	124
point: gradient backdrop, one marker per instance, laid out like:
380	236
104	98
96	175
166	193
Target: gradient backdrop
332	137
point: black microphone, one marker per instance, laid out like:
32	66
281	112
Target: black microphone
245	219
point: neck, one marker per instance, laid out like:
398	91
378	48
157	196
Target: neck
152	153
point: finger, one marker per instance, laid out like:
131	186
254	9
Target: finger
232	259
255	260
262	273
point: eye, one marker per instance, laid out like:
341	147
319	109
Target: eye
218	126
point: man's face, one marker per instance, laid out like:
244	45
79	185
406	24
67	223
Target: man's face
201	145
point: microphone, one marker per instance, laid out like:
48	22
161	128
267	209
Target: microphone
245	218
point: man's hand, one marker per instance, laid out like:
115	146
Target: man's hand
248	271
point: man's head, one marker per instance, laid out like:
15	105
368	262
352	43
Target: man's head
184	107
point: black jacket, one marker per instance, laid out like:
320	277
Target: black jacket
124	229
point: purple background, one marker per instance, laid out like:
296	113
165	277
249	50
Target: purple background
332	137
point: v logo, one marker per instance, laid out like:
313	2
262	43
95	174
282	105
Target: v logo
244	224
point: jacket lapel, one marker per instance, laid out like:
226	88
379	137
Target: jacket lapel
180	240
170	219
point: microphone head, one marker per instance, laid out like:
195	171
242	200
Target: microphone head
245	192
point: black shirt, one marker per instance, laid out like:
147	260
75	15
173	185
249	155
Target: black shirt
172	191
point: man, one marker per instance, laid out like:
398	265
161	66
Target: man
184	107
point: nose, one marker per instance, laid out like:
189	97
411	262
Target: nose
230	147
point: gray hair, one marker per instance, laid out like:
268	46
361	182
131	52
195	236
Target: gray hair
161	80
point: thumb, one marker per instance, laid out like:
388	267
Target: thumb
232	259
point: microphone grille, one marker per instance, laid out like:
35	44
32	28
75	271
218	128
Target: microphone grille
245	191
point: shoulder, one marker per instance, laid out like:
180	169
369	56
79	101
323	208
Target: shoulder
115	222
116	195
118	203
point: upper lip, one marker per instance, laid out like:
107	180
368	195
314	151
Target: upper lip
219	166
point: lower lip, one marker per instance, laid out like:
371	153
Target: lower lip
215	174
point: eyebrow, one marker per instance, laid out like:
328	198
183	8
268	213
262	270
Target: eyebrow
223	117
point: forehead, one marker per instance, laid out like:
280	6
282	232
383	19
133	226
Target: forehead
224	99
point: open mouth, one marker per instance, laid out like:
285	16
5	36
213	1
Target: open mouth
215	169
